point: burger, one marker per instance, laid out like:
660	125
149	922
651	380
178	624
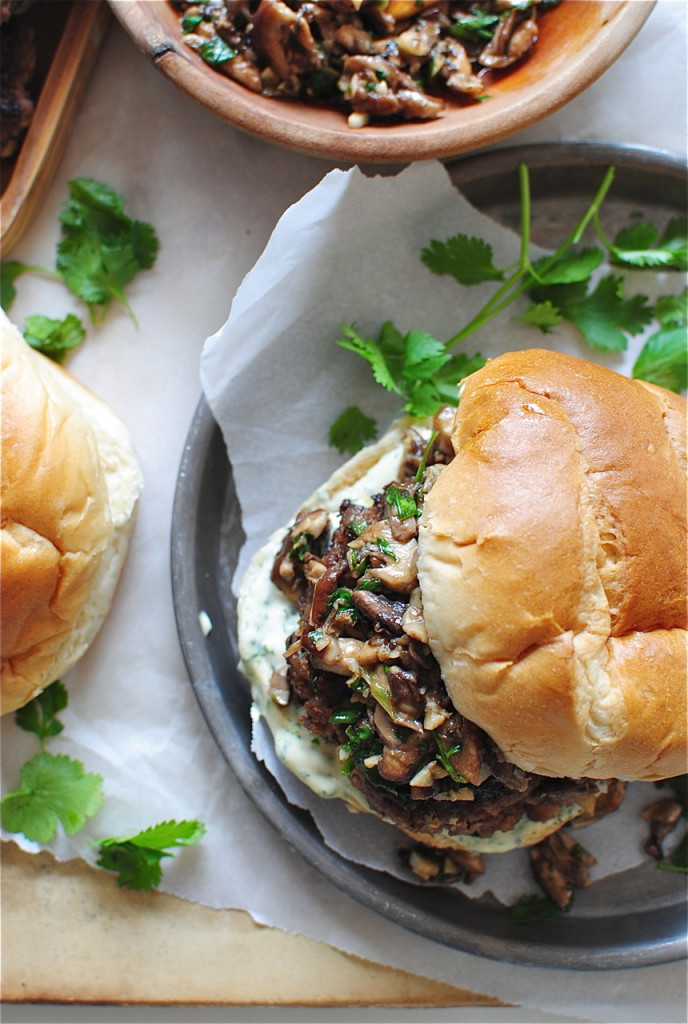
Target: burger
70	488
476	629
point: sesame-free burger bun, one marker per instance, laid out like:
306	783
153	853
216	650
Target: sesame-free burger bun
552	564
70	488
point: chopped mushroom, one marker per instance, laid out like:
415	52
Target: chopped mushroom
560	865
380	62
663	816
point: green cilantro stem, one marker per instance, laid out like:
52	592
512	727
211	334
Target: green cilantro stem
524	276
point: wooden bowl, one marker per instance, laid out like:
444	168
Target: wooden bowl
578	41
68	38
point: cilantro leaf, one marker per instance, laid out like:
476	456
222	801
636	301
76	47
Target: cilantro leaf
423	356
672	310
352	430
101	248
569	267
640	246
468	259
54	338
9	272
40	714
542	315
136	859
603	316
53	788
534	909
447	379
374	353
663	359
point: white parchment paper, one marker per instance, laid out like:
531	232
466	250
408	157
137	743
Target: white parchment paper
350	251
215	195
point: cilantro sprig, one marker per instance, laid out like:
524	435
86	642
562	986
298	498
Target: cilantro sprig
424	371
53	789
136	859
100	251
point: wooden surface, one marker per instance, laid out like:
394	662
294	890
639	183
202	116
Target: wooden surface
56	108
69	934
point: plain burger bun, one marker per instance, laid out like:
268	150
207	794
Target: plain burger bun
70	488
552	564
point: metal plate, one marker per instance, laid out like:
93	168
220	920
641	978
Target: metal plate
628	920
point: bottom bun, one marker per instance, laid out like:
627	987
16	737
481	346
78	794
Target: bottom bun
267	619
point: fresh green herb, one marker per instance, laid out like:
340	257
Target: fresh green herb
445	759
386	548
216	51
53	788
136	859
191	22
415	366
40	714
362	742
10	270
476	27
425	372
54	338
101	249
641	246
347	714
468	259
664	356
534	909
352	430
301	546
403	504
370	584
340	598
604	316
420	472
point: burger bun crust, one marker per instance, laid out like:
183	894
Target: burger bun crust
552	563
70	488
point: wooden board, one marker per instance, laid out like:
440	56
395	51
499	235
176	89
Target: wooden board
69	934
78	28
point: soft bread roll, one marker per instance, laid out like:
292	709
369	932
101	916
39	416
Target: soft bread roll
552	563
70	488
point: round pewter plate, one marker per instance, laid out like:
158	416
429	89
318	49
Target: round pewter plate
630	919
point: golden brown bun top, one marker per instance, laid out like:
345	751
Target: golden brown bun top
70	484
553	567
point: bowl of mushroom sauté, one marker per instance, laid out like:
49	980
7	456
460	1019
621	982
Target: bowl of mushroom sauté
382	81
